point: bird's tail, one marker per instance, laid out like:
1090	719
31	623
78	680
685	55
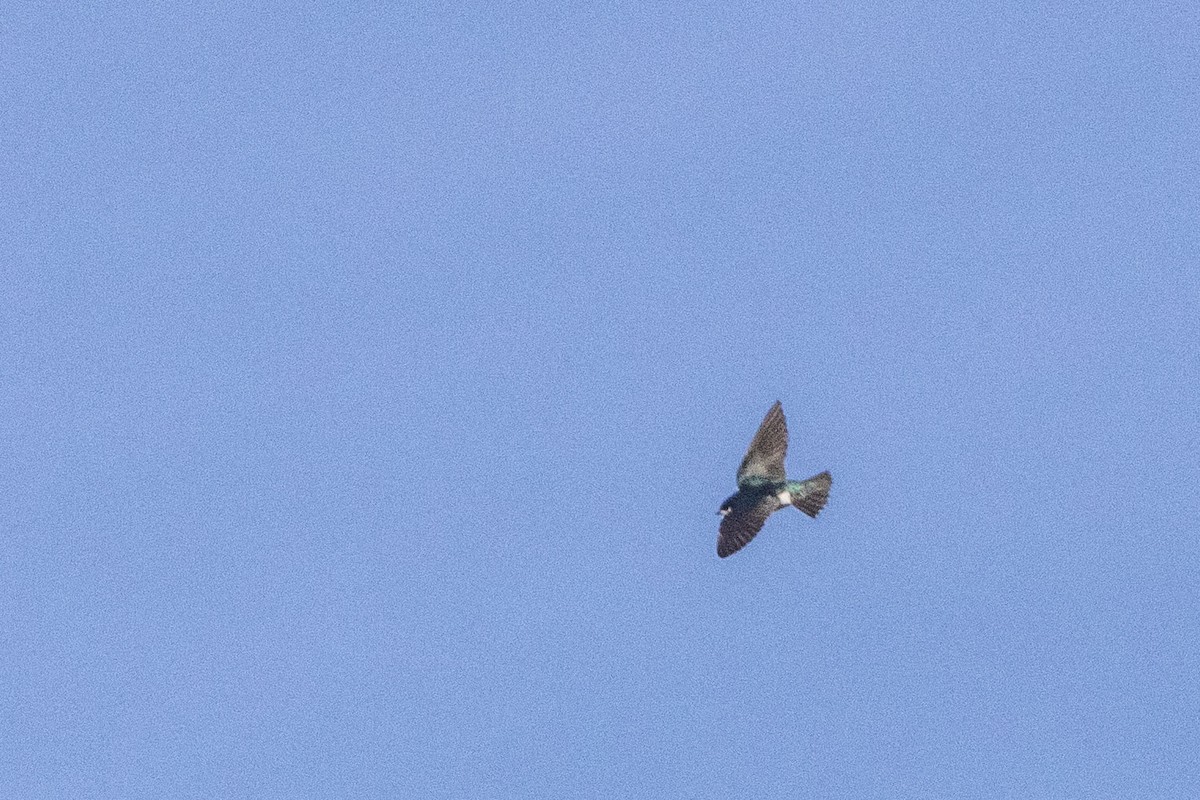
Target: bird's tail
810	495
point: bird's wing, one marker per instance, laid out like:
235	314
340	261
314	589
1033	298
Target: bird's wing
765	457
741	524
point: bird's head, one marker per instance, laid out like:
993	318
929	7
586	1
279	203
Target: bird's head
727	506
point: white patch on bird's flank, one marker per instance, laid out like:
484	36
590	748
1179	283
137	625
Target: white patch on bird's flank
785	498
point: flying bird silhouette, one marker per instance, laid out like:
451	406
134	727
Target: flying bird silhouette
763	487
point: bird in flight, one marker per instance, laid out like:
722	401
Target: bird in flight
763	487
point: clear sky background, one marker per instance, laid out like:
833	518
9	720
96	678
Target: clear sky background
370	377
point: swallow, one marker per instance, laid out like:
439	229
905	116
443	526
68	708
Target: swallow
763	487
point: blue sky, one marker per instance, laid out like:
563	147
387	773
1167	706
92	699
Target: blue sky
370	378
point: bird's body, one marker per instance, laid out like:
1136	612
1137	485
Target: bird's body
763	487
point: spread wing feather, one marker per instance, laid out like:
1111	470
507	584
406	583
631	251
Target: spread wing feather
764	459
743	523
